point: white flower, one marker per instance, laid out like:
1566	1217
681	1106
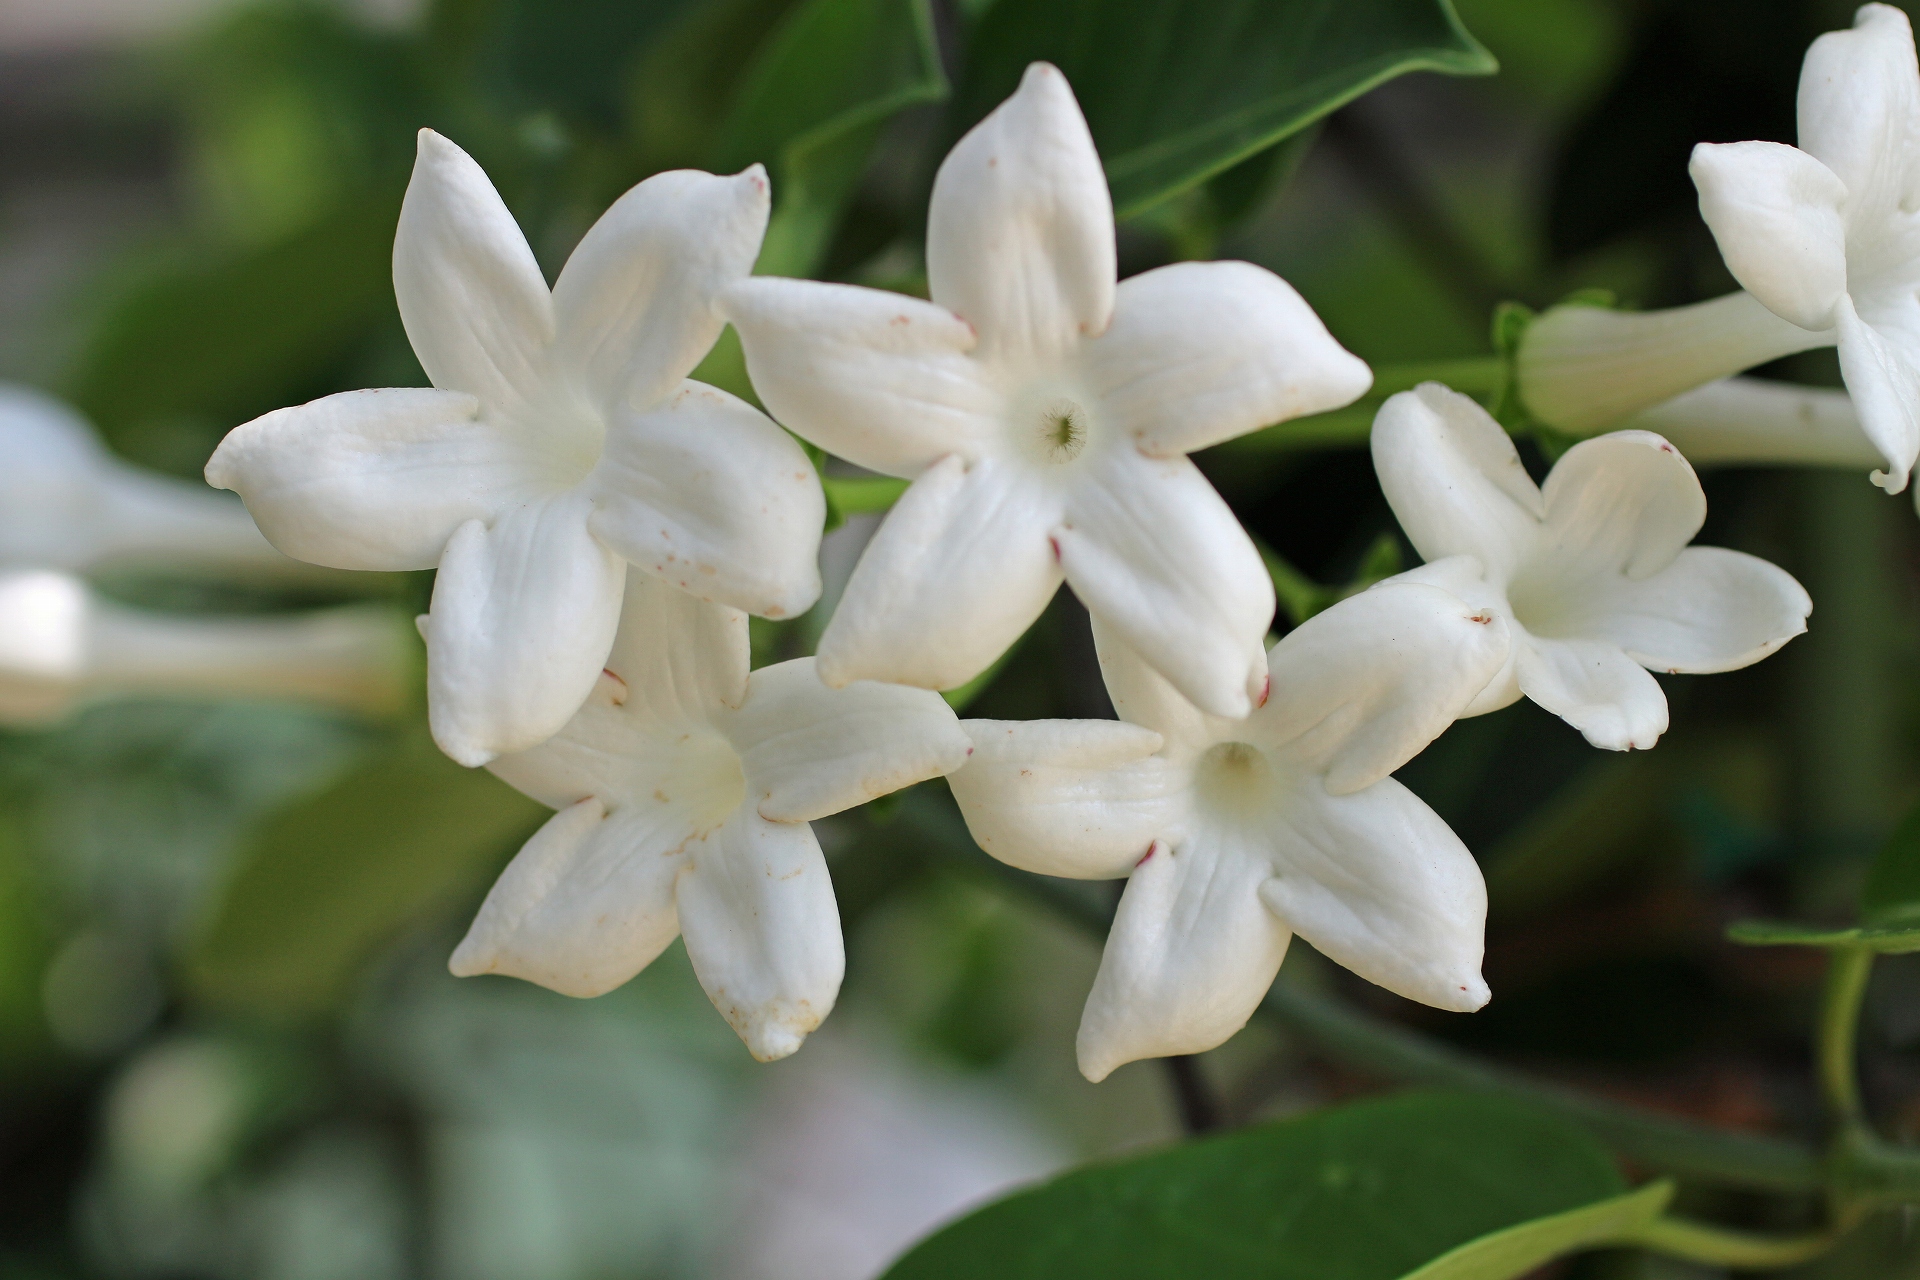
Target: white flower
561	441
684	787
61	647
66	503
1237	833
1043	415
1827	234
1592	569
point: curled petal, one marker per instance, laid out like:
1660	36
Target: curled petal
707	493
1461	577
474	303
634	304
372	479
1020	235
1191	953
585	905
810	751
523	617
1883	377
1378	883
1775	212
1710	610
1201	352
1622	503
960	568
1594	687
1454	479
763	931
1859	111
1143	696
677	656
1360	688
1082	799
1158	557
880	379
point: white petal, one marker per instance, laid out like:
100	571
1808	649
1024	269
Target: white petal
679	657
523	617
1460	577
634	304
1859	108
763	931
1622	503
1454	479
1191	953
1076	798
1710	610
1775	212
1594	687
810	751
474	303
1201	352
1378	883
960	568
707	493
880	379
1020	227
1156	555
1882	372
1142	696
372	479
584	906
1361	688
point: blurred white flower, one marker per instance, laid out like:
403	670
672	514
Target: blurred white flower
1043	415
561	441
62	646
685	786
68	504
1827	235
1592	570
1235	834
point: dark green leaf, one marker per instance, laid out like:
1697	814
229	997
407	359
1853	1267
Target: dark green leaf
1369	1191
1892	890
221	340
812	104
1179	90
327	880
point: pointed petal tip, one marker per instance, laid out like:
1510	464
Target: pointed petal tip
459	746
471	958
1468	995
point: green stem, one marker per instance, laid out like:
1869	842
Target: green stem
1718	1246
858	495
1847	974
1396	1054
1351	426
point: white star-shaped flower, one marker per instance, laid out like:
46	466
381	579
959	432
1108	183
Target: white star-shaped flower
561	441
684	788
1827	234
1044	416
1236	834
1592	570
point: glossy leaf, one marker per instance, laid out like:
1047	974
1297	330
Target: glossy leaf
327	880
1369	1191
812	104
1518	1250
1892	890
1177	91
1886	939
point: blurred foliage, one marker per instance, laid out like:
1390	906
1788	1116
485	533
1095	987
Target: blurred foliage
227	1041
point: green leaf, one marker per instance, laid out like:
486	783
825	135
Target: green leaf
1368	1191
327	880
855	495
218	341
1177	91
812	104
1885	939
1518	1250
1892	890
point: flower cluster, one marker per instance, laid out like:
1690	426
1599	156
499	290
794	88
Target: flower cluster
603	526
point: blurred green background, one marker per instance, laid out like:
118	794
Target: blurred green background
228	1043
